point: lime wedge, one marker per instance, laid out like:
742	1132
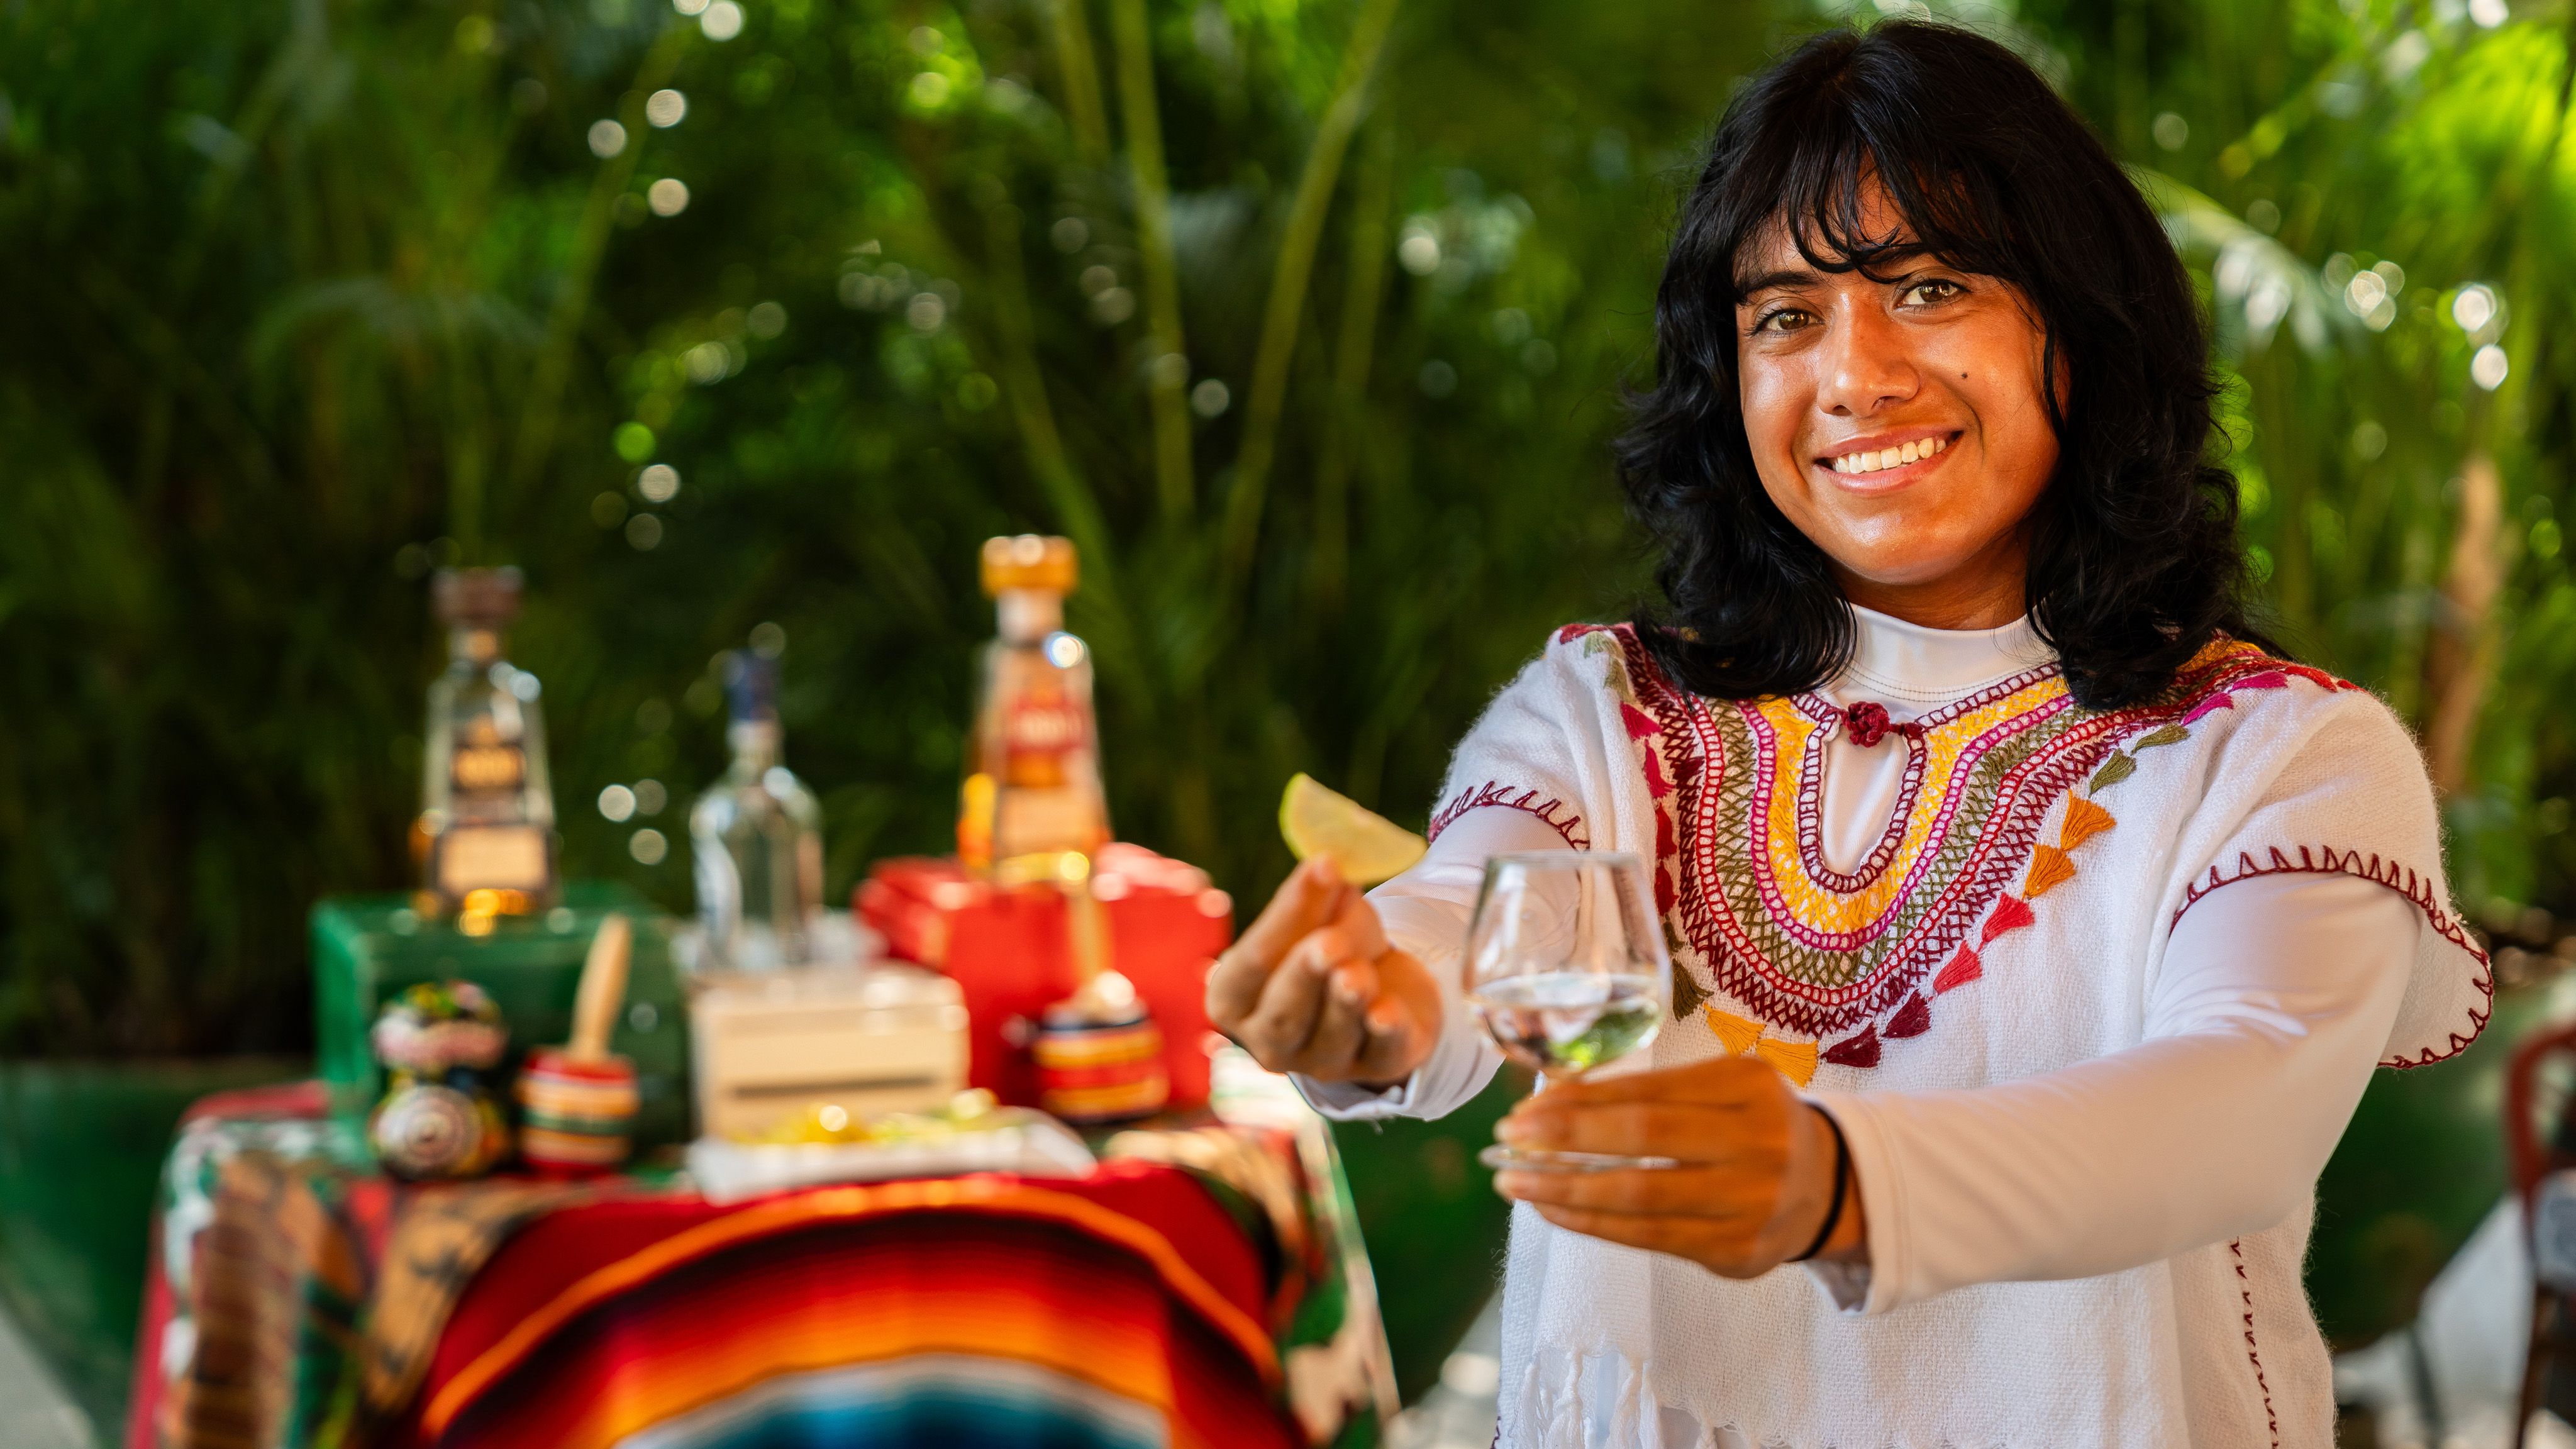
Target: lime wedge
1368	847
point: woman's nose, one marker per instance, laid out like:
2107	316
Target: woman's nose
1865	364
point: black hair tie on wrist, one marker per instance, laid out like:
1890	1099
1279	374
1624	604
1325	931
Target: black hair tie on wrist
1842	1173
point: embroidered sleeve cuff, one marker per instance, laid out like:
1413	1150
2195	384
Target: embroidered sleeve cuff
1352	1102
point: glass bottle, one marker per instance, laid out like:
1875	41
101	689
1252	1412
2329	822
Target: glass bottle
486	833
1033	766
756	838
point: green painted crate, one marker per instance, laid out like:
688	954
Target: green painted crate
368	948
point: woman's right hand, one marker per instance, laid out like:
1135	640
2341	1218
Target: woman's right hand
1313	987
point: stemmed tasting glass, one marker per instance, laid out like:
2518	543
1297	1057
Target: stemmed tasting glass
1566	969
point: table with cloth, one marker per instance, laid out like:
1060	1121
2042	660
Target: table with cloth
1204	1285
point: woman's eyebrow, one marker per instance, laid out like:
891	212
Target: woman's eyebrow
1789	278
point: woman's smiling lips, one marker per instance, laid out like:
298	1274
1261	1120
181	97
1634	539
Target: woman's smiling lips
1884	458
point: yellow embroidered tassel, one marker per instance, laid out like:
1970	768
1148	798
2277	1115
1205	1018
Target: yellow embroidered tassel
1734	1032
1795	1060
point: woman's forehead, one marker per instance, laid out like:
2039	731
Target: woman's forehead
1780	249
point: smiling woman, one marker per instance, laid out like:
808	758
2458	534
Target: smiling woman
1895	239
2034	924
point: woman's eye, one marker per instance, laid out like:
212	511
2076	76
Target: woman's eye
1786	319
1926	294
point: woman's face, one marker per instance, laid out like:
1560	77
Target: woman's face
1898	424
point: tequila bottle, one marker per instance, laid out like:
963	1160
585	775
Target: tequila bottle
756	838
1033	767
486	832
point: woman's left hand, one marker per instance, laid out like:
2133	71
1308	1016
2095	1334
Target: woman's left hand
1757	1173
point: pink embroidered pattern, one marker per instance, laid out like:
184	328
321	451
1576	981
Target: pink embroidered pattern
2326	860
1861	955
2253	1354
1563	821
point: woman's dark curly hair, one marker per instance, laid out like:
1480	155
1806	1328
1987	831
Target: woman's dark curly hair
2134	560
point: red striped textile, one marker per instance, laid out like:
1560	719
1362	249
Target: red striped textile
599	1321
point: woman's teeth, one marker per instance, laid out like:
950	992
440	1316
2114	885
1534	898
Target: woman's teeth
1873	461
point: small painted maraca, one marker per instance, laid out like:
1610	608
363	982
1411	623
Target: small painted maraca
439	1042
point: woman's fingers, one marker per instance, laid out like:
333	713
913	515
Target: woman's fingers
1342	1028
1312	895
1740	1138
1358	920
1718	1082
1292	1000
1721	1247
1685	1191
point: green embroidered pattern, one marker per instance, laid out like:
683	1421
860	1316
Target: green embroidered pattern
1740	877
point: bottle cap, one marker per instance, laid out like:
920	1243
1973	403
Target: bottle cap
1028	561
751	686
476	598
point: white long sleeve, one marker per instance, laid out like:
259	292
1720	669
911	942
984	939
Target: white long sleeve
2275	1003
2273	1008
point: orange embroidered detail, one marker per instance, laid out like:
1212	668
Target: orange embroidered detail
2048	867
1854	958
1795	1060
2084	820
1735	1033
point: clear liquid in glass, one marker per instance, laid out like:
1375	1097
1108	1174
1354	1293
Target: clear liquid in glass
1566	970
1569	1021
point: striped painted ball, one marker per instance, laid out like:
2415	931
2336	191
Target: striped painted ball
1090	1070
575	1117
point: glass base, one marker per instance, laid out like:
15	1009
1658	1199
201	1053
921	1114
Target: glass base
1499	1157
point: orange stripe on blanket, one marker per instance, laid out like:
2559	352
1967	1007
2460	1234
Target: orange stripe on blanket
987	1321
973	1194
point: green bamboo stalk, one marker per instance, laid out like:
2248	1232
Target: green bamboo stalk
1295	265
1024	384
2481	556
590	243
1168	382
1081	71
1353	351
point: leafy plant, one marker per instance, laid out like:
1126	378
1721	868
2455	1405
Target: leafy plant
304	300
1305	318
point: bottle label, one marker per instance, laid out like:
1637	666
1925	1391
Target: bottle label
491	857
1037	733
481	768
1034	821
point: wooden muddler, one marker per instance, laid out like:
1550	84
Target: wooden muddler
602	991
580	1101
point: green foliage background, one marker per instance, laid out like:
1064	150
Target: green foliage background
299	298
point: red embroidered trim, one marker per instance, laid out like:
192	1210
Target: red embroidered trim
2326	860
1686	741
1685	756
1492	792
2254	1355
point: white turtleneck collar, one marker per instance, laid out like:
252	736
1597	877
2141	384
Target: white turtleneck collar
1911	671
1897	663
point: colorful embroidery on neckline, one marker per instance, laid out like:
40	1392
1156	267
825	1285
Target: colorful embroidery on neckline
1836	963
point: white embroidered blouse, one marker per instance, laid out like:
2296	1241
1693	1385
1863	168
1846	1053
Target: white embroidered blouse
2087	1092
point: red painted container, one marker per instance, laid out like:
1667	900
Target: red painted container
1010	956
